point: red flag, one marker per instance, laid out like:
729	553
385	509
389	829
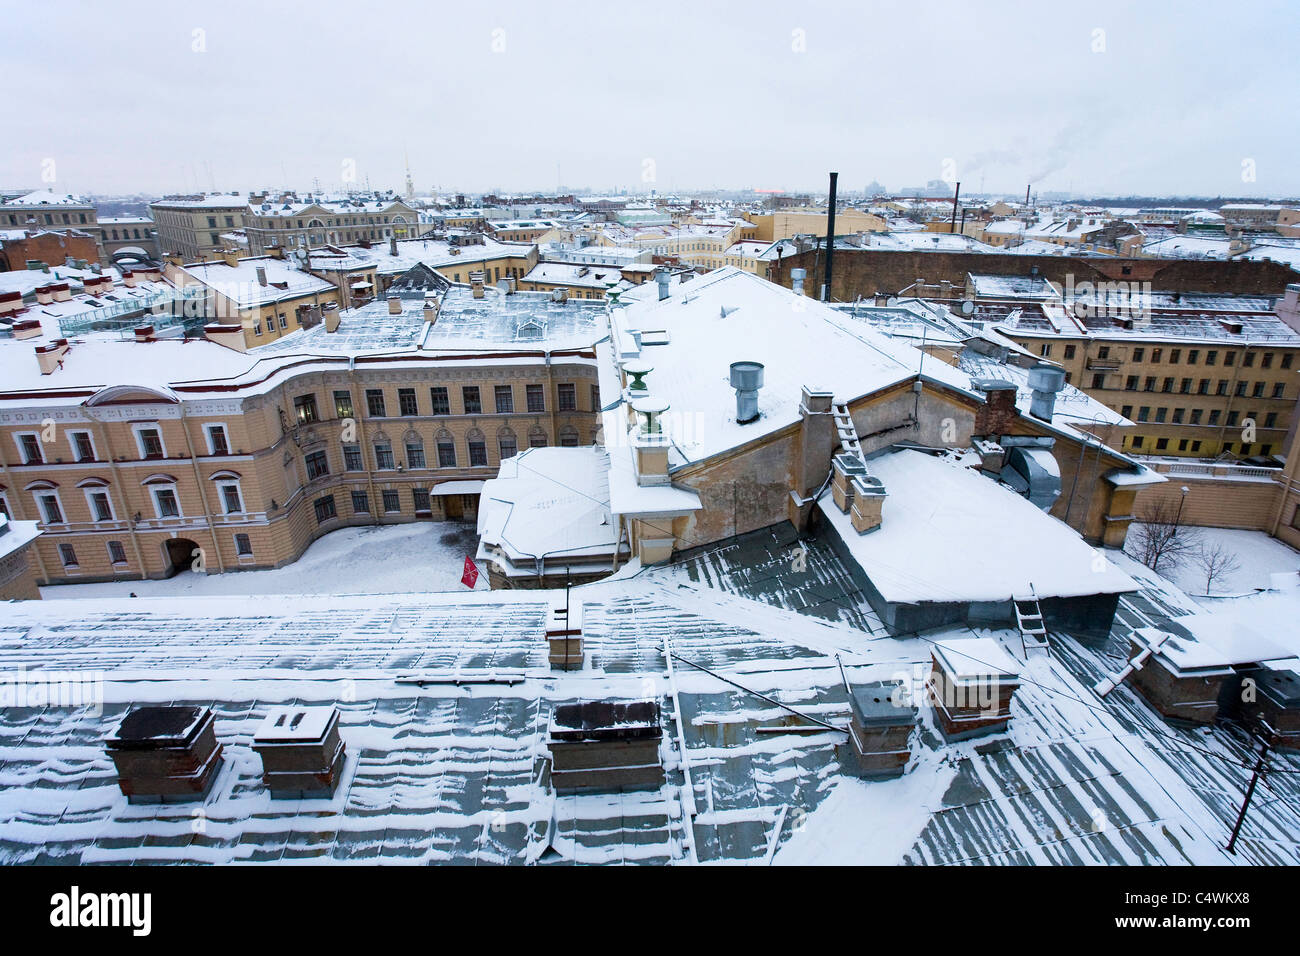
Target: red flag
470	577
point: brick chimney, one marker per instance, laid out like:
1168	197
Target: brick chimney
44	294
10	302
231	257
394	305
129	279
998	413
144	333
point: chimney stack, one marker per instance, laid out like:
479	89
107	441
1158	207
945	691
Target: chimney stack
50	357
394	305
231	257
261	275
44	294
430	309
331	316
830	239
392	245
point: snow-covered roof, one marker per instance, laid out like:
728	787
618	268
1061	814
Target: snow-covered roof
548	502
44	197
730	315
241	285
950	535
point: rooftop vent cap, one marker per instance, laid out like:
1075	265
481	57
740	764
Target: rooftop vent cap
746	379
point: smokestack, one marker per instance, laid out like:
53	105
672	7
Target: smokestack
796	280
261	275
1027	194
953	225
663	277
746	379
830	239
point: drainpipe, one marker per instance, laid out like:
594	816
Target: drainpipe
203	497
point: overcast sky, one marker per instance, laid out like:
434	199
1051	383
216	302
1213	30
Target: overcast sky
1093	98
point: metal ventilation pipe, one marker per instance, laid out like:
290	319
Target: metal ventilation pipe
830	239
746	379
663	278
1045	380
796	280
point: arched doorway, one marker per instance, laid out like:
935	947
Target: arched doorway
179	554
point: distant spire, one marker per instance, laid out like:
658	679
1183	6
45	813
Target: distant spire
410	184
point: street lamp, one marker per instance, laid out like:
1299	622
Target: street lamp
1184	490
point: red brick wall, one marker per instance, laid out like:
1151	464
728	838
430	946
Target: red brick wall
52	248
863	272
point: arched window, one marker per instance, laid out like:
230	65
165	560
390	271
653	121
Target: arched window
507	443
414	450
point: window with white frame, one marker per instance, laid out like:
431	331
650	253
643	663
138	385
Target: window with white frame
50	506
83	446
165	502
68	556
29	445
243	545
149	440
232	502
101	508
116	553
218	444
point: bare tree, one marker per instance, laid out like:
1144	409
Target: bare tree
1158	541
1215	561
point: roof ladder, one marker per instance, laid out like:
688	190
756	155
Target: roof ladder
847	431
1029	621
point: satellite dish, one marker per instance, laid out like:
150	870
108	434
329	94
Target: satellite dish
967	307
301	254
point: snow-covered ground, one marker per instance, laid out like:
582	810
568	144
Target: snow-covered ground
390	559
1258	555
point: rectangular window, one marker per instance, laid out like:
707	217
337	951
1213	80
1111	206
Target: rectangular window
1192	355
441	404
324	509
1257	391
420	498
509	447
1155	354
352	458
446	454
217	440
477	454
1229	359
67	556
31	445
83	446
1211	356
536	398
1239	391
116	553
1150	384
537	439
1160	414
469	396
1178	416
342	404
1137	441
1248	360
1196	446
1099	380
383	456
1232	419
1069	351
1270	420
1127	411
1286	360
360	503
406	401
101	510
166	503
1137	354
375	402
1162	444
595	397
318	465
414	455
1185	386
1203	388
1131	383
1279	390
243	545
304	407
1167	385
151	445
1144	413
230	498
392	502
505	399
1175	355
568	397
1214	416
